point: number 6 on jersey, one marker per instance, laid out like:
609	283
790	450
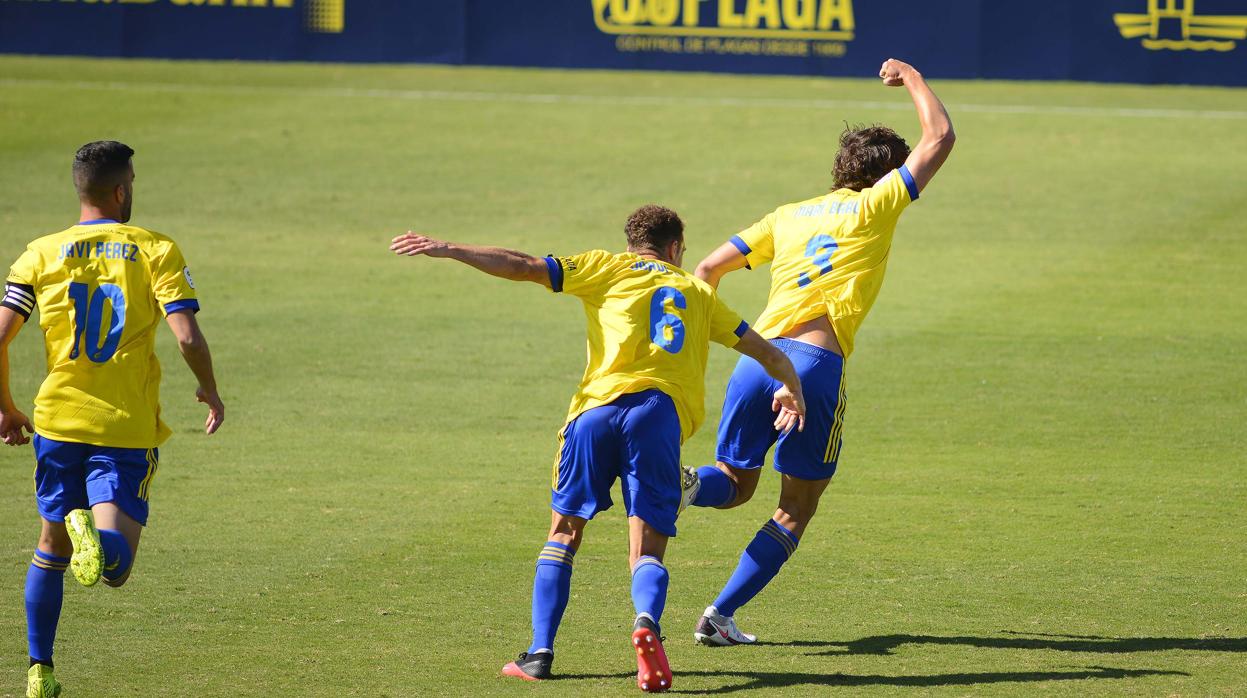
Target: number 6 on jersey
666	329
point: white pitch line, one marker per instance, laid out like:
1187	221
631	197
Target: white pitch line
627	100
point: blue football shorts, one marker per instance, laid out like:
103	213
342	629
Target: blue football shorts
746	429
72	476
635	439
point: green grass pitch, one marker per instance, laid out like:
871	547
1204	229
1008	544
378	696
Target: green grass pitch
1041	489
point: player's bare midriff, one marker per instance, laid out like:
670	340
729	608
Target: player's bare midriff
817	332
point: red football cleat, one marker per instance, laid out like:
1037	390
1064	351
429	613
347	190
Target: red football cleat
653	673
530	667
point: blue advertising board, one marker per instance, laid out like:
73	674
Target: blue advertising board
1143	41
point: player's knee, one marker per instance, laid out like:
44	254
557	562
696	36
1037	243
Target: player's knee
799	511
58	545
650	547
745	483
744	491
568	530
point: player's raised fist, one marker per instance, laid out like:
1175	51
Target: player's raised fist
893	72
412	244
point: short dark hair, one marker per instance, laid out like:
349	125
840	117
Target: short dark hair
653	227
867	153
100	166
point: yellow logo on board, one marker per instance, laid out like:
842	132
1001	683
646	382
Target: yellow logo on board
791	28
320	16
1198	32
190	3
830	20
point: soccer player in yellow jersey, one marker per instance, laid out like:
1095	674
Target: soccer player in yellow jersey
101	287
649	325
828	255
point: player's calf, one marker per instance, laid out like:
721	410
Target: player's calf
723	487
45	591
798	502
118	557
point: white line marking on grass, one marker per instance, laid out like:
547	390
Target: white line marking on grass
627	100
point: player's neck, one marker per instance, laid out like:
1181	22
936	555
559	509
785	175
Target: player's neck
650	254
91	212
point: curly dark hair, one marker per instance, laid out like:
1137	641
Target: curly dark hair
653	227
867	153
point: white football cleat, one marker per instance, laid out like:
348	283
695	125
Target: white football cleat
714	630
690	485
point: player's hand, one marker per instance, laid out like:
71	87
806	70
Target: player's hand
894	72
216	409
790	409
13	428
412	244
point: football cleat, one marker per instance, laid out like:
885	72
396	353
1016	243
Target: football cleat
653	673
530	667
40	683
690	485
87	562
714	630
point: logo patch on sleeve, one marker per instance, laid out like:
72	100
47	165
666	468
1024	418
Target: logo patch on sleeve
186	271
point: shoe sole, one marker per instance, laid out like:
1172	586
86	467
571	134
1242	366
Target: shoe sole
87	562
653	673
513	669
687	495
711	640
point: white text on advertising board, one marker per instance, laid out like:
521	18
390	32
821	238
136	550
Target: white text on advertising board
738	27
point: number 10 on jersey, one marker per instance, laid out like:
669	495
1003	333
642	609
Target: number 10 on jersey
89	320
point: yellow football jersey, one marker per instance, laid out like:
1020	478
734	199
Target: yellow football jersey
650	325
828	255
101	288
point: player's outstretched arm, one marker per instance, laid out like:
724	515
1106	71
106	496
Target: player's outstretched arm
495	261
194	348
12	421
726	258
788	402
937	129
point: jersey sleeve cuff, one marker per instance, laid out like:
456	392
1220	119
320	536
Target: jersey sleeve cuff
741	329
556	274
186	304
742	247
910	185
20	298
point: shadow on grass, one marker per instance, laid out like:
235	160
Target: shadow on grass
886	644
776	679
